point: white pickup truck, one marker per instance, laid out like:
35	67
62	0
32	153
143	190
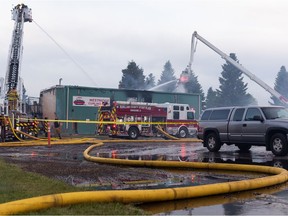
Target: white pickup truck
244	127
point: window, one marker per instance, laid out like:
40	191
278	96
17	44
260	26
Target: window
182	108
190	115
220	114
238	115
175	107
251	113
176	115
275	112
206	115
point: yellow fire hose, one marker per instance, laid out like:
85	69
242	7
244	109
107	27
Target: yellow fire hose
158	127
10	124
26	134
278	175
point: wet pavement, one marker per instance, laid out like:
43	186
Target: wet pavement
66	163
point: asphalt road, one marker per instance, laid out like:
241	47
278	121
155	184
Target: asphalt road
66	163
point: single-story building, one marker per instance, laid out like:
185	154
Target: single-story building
77	106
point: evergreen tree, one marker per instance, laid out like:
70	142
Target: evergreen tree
232	90
211	99
132	77
280	85
150	81
167	75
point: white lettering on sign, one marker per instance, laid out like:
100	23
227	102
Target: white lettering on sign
135	107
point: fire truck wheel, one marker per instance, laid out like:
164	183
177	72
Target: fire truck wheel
183	132
133	133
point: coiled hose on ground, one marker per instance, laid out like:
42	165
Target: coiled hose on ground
277	176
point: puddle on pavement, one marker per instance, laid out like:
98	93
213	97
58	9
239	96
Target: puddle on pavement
263	201
170	178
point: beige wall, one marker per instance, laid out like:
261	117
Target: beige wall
48	103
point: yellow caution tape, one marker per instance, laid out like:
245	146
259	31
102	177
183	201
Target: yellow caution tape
194	122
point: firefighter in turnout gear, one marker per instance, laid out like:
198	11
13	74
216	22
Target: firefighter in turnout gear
13	98
45	127
3	128
57	128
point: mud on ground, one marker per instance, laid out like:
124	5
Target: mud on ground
66	163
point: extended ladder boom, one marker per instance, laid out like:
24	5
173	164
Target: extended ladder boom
20	14
236	64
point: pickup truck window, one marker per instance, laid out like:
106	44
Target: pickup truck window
206	115
220	114
238	115
251	113
275	112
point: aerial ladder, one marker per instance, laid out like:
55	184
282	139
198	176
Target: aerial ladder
13	87
12	95
272	91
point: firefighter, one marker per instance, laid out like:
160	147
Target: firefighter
45	127
3	128
57	128
13	99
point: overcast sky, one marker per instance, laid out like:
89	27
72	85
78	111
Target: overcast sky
102	36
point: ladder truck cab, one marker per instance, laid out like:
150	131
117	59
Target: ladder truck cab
133	119
12	94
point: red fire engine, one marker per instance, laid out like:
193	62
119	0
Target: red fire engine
133	119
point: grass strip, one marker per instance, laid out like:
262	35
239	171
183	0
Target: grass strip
16	184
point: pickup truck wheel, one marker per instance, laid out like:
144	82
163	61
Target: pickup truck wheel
244	147
183	132
279	144
133	133
212	142
278	164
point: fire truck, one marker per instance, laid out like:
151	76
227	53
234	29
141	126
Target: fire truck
134	119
